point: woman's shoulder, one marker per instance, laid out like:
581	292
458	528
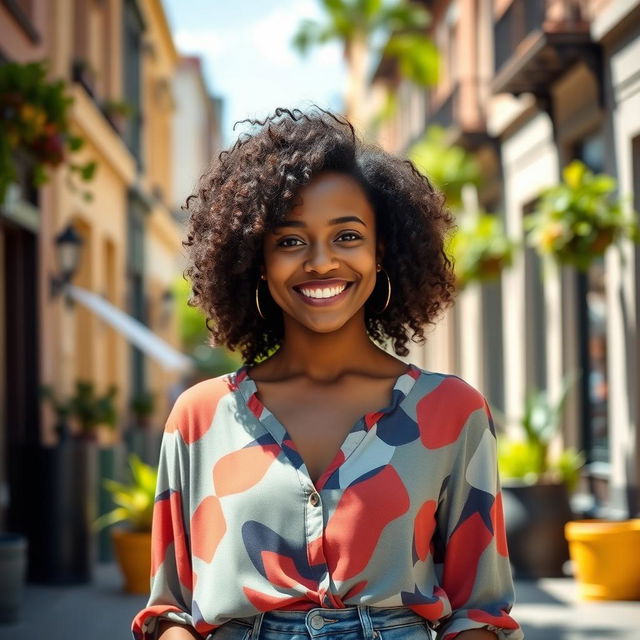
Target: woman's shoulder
195	408
446	406
204	390
448	386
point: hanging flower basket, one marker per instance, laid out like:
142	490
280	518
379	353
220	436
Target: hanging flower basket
35	124
480	249
577	220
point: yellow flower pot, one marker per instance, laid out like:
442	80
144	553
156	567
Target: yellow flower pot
133	552
606	558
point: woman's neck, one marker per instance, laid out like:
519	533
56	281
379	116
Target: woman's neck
325	357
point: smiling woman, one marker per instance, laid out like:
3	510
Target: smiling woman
254	193
326	486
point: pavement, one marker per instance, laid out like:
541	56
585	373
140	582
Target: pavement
547	609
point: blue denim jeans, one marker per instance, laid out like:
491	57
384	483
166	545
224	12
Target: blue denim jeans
360	622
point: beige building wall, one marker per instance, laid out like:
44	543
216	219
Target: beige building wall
74	343
163	234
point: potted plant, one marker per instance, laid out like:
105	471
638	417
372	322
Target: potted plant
575	221
35	125
606	558
536	486
63	483
132	542
480	249
142	406
91	410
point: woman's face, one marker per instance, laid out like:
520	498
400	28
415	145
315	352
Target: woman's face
321	261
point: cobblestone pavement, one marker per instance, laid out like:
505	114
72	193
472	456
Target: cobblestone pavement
547	609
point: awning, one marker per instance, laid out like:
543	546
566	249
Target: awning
133	330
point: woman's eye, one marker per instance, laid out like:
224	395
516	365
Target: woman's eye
354	236
282	242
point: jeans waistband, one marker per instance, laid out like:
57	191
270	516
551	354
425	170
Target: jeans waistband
319	621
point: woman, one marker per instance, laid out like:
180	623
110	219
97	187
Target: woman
326	487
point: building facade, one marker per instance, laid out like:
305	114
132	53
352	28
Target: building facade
119	63
527	87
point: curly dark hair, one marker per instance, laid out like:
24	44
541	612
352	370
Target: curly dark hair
255	184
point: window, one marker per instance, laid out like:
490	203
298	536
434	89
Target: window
592	334
131	75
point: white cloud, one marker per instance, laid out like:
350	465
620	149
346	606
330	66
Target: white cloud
208	42
271	35
252	64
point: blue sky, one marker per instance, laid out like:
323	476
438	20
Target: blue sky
248	59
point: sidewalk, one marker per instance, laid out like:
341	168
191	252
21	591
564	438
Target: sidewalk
547	610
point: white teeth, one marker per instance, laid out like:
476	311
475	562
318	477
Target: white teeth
329	292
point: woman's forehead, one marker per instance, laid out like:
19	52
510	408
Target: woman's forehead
329	194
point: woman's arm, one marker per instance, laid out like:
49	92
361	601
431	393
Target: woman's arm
173	631
171	581
470	541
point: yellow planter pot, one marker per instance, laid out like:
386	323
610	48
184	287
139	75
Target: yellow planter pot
606	558
133	552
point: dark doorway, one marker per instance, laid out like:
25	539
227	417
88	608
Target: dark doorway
21	374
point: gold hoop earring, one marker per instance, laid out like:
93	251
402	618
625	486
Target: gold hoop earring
257	301
386	304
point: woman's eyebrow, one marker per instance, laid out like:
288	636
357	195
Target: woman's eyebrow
301	223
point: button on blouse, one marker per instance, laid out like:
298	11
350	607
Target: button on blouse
408	513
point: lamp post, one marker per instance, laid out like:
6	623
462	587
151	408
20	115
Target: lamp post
68	248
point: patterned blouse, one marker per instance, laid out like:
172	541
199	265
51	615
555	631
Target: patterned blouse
408	513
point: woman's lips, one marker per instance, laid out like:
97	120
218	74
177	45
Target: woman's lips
323	302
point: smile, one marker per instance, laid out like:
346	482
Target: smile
321	296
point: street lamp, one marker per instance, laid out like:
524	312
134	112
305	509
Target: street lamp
68	247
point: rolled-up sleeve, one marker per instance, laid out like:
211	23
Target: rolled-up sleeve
474	563
171	578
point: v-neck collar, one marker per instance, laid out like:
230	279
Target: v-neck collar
248	389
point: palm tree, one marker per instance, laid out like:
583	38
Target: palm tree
356	24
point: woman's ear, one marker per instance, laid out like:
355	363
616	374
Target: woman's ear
379	252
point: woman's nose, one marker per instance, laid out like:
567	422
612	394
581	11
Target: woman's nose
321	259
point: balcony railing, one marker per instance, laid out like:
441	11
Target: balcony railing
536	40
516	23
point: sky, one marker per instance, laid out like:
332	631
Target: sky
248	60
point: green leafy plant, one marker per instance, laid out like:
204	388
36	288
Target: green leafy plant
91	409
528	458
576	220
134	500
87	408
142	406
480	249
36	124
448	166
392	32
